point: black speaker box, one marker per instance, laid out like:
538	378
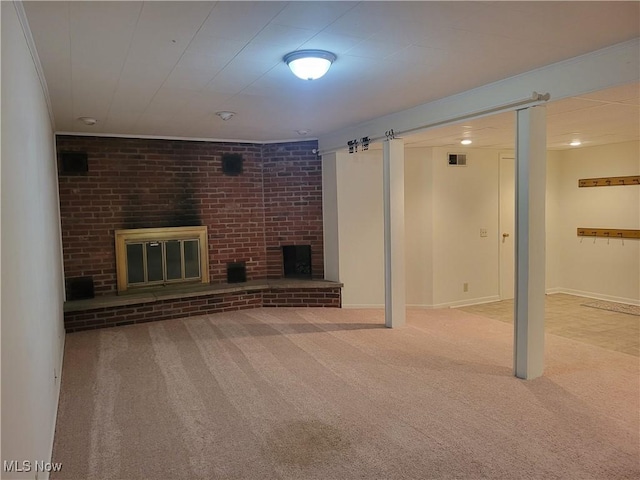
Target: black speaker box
79	288
236	272
232	164
74	163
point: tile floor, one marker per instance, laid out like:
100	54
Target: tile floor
566	316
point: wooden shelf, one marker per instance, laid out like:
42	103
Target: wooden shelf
608	233
609	181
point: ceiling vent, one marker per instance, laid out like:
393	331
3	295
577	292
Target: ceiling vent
458	159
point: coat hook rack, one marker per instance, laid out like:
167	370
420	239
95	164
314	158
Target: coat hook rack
609	181
608	233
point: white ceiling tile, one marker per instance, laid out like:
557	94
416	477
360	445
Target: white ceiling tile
173	21
121	122
189	78
283	36
168	100
376	49
144	74
215	46
134	98
333	42
91	32
622	93
110	59
262	56
312	15
154	50
152	121
364	20
240	20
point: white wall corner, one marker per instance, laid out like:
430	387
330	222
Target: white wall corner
31	44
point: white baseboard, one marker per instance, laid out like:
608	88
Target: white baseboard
59	388
416	306
496	298
471	301
362	306
460	303
597	296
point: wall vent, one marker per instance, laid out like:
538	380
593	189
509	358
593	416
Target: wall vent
458	159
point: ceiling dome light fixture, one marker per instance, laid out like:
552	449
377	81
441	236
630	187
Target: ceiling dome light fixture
225	115
88	120
575	143
309	64
466	141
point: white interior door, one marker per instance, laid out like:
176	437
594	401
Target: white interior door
507	225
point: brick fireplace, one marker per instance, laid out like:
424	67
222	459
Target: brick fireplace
147	183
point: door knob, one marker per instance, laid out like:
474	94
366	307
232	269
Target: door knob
505	235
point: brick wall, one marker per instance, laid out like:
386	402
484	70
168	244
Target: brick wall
144	183
302	297
293	203
161	310
213	303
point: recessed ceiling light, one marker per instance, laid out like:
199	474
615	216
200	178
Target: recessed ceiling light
466	141
575	143
309	64
88	120
302	133
225	115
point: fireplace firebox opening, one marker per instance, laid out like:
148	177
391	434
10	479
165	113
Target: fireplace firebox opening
296	261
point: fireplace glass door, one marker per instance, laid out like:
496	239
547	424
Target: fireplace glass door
163	261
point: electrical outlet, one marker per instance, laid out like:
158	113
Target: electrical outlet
465	287
483	232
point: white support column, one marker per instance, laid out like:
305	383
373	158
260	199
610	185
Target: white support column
330	217
531	166
394	269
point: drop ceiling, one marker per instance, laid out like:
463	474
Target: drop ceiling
165	68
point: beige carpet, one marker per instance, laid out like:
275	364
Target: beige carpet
331	394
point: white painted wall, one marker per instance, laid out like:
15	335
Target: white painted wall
445	207
360	228
554	204
600	268
32	293
419	226
465	199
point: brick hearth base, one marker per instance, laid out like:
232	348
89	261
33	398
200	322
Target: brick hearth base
113	310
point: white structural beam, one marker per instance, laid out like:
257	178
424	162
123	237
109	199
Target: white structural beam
393	204
531	167
606	68
330	217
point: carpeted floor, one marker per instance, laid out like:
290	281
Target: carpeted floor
332	394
